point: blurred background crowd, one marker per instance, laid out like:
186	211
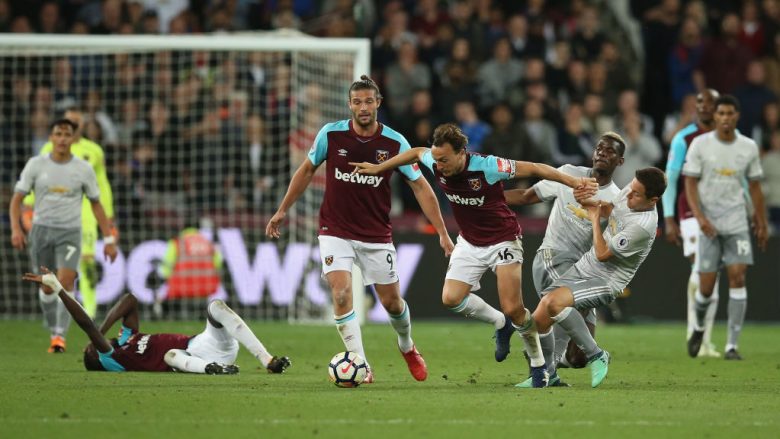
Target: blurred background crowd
526	79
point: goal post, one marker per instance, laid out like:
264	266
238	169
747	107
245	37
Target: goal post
195	129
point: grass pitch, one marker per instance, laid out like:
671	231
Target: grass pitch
653	389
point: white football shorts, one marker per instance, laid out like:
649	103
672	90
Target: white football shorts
377	261
468	262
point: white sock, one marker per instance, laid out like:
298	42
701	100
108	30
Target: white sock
693	286
349	329
181	360
237	328
474	307
531	340
402	323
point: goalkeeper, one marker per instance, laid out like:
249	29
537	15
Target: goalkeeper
92	153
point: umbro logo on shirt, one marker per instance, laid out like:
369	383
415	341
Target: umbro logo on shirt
343	152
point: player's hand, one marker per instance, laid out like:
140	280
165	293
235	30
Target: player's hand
18	239
594	211
110	252
762	234
589	185
707	228
582	193
672	233
446	244
46	278
364	168
272	229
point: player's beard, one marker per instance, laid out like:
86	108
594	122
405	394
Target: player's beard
371	120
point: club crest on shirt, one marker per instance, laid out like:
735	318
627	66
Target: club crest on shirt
475	184
328	260
382	155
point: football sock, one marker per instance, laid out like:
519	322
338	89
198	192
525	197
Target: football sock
181	360
549	345
737	308
475	307
237	328
575	326
527	331
402	323
693	286
561	343
349	330
49	308
702	303
87	277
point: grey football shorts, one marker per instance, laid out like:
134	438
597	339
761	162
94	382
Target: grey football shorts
54	248
731	249
587	292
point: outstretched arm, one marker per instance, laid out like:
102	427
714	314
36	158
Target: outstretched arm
127	310
430	206
547	172
86	324
521	197
300	181
408	157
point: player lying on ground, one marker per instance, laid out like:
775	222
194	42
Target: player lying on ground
605	270
213	351
569	235
490	236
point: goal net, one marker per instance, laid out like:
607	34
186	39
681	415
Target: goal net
197	131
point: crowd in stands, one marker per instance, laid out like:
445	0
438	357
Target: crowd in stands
527	79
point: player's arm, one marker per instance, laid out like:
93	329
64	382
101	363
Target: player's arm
692	170
674	165
760	224
109	241
74	308
522	197
127	310
18	238
407	157
547	172
299	182
430	207
600	247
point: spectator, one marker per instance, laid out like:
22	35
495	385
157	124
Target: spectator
540	131
628	104
594	120
681	118
165	11
509	139
752	33
456	87
466	25
523	44
93	109
725	59
753	96
575	145
586	43
49	21
684	59
642	149
770	122
771	184
403	77
498	75
468	121
772	66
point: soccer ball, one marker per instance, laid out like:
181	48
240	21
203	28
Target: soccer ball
347	369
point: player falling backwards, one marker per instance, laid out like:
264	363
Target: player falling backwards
680	223
92	153
569	235
60	180
354	217
490	236
715	167
213	351
610	264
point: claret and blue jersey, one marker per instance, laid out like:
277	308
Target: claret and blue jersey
139	352
477	198
357	206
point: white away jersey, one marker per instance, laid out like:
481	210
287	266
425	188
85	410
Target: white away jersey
630	236
721	168
569	228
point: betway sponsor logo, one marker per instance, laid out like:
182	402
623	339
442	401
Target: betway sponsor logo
371	180
466	201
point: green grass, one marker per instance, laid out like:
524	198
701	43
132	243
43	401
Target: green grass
653	390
